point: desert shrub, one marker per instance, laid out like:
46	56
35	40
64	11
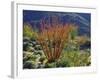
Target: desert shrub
34	43
40	53
26	39
73	32
85	59
28	64
30	49
28	56
27	46
28	31
50	65
76	58
62	63
81	40
52	38
42	59
38	47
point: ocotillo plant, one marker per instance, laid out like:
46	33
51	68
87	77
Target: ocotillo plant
52	39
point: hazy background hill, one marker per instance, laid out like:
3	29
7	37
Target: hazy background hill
82	20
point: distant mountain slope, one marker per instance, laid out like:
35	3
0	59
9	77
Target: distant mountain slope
83	20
